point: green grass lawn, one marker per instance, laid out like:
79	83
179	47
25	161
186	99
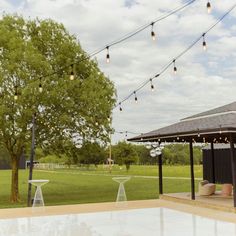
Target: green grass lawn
73	186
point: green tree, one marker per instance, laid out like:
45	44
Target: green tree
143	154
124	153
178	154
33	54
91	153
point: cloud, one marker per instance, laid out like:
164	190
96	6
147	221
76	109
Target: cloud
204	80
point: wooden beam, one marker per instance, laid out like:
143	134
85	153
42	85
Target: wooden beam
192	171
233	164
160	174
213	163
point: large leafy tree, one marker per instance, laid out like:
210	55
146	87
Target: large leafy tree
91	153
124	153
65	109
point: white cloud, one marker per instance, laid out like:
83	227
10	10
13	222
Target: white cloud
204	80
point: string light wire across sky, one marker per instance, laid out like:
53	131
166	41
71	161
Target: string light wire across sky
204	79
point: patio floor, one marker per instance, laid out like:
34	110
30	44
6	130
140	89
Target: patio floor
216	201
216	214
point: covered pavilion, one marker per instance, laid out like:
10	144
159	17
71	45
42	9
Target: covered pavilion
214	126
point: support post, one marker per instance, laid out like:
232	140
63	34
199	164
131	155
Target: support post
192	171
160	174
213	163
31	160
233	165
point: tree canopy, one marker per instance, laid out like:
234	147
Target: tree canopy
124	153
41	53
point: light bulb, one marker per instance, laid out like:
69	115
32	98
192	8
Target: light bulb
108	55
72	75
204	42
15	96
135	98
40	85
40	88
152	86
152	32
120	107
208	7
204	46
153	35
175	68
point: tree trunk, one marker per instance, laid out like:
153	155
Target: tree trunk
15	196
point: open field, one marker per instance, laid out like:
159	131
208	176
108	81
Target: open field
71	186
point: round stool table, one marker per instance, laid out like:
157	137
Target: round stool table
121	195
38	196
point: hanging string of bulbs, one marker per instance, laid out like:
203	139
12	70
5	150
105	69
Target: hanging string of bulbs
173	61
127	132
108	46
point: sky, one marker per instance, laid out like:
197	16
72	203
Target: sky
205	80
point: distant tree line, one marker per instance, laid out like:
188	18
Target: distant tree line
123	153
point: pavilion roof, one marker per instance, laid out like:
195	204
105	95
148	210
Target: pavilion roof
213	125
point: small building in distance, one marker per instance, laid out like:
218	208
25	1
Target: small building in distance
5	163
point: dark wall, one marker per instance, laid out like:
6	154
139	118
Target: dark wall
223	170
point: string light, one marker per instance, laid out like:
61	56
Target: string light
108	55
72	75
128	132
40	85
152	86
152	32
135	97
16	93
208	7
204	42
175	68
126	37
165	67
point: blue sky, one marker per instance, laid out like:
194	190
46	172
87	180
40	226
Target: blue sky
205	79
15	2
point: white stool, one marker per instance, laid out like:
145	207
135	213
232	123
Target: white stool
121	195
38	196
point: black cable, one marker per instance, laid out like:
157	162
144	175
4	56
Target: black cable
124	38
177	57
129	35
127	132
